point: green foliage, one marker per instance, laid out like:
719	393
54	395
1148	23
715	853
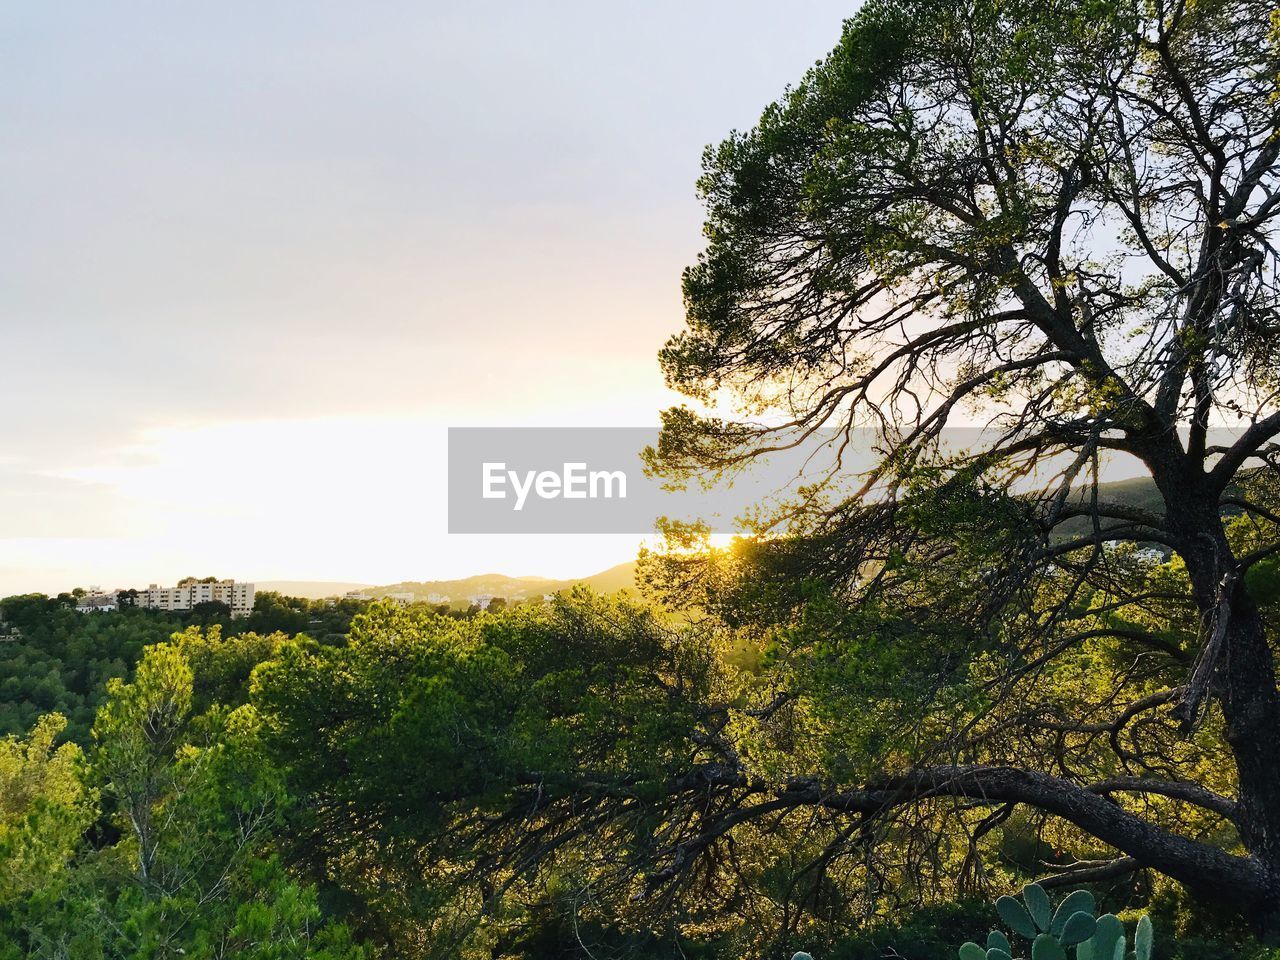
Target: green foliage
234	770
1050	932
61	660
195	806
327	621
45	806
1263	581
926	933
412	742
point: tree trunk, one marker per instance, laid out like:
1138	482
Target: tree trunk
1237	668
1251	710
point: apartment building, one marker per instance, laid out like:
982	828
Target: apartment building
185	596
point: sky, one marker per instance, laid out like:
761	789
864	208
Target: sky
259	257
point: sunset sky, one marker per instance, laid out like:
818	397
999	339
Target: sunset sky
258	257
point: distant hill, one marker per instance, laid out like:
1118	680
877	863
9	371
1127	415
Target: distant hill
621	577
1137	492
462	592
310	589
1134	492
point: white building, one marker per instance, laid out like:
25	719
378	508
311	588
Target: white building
96	603
185	596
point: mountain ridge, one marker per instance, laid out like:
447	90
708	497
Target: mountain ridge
463	589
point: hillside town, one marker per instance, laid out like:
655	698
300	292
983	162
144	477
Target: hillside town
187	595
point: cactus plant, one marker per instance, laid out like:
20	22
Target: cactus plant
1051	932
